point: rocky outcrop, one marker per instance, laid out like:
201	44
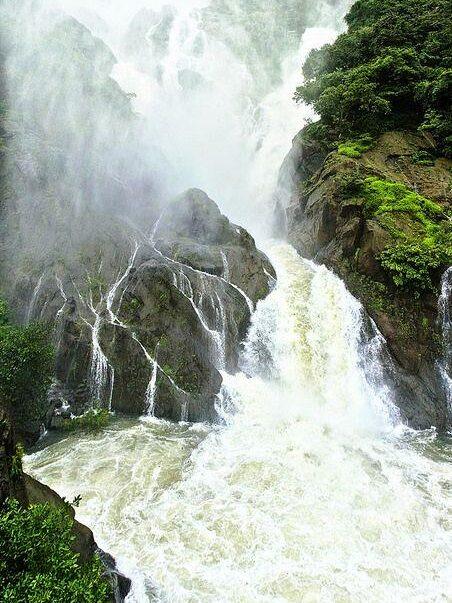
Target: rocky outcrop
151	325
328	221
84	544
192	230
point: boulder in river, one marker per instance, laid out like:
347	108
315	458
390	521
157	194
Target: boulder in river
148	323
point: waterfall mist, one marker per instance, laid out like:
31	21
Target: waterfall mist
308	488
114	108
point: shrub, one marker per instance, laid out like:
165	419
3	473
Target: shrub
420	230
411	265
94	420
16	462
4	314
37	563
26	369
423	158
355	148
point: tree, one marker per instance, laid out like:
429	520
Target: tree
26	369
393	68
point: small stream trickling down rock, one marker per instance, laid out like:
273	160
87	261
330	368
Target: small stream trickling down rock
445	317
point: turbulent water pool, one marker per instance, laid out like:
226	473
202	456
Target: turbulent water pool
310	490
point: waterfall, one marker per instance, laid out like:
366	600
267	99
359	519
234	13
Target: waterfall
310	489
226	272
34	297
111	297
445	316
197	300
102	372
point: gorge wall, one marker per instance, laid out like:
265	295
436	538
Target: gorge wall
332	220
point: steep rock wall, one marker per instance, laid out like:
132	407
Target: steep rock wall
329	221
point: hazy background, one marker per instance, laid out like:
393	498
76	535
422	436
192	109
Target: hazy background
114	107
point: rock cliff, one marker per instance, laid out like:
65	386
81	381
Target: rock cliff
150	321
378	214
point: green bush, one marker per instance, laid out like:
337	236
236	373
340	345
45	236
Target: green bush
420	229
355	148
423	158
94	420
16	469
392	69
26	369
4	313
411	265
37	564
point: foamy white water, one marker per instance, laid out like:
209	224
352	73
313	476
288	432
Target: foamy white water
309	492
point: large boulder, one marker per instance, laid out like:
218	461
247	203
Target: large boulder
147	325
193	230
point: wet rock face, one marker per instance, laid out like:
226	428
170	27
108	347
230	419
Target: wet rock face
193	231
333	228
150	327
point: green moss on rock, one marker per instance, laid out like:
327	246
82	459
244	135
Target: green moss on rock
420	230
355	148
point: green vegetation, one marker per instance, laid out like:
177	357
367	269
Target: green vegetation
26	368
384	196
392	69
355	148
4	313
37	563
423	158
412	265
94	420
16	462
364	287
421	231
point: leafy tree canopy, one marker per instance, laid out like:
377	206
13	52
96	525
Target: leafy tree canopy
392	69
26	368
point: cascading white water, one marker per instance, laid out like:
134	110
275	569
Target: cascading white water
310	490
32	304
308	493
234	117
445	315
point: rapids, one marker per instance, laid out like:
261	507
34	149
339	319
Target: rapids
309	491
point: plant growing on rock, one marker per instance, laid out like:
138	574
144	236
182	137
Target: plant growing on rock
355	148
94	420
412	264
26	369
16	469
421	233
